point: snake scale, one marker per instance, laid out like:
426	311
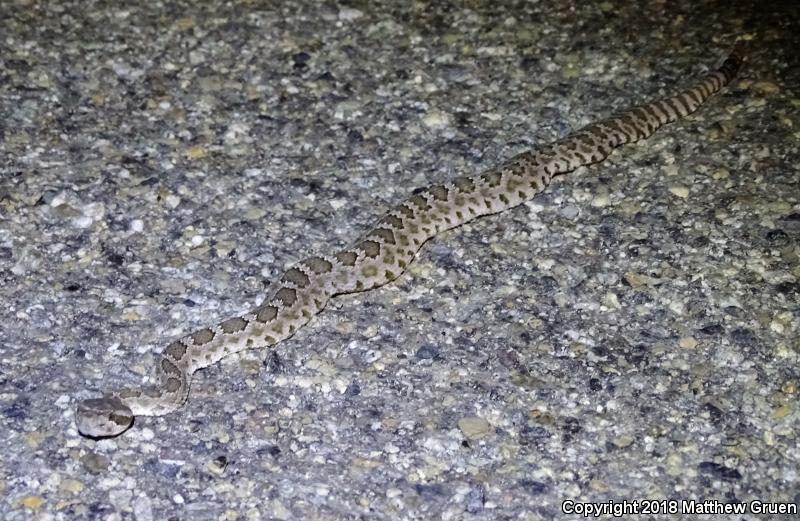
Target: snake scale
384	252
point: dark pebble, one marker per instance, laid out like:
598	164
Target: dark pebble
273	363
744	337
529	434
788	288
301	58
720	471
429	492
712	330
777	238
427	352
353	389
532	486
790	222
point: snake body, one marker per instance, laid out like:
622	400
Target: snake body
384	252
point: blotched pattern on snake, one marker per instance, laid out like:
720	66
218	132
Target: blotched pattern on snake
384	252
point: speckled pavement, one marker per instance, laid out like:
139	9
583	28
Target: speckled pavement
632	334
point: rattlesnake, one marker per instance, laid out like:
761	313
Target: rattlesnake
384	252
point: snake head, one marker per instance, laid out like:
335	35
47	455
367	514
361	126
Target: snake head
103	417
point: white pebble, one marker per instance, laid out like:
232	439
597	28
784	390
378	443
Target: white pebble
58	199
82	222
393	492
348	13
143	508
436	119
676	307
776	326
137	225
94	210
600	200
680	191
173	201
